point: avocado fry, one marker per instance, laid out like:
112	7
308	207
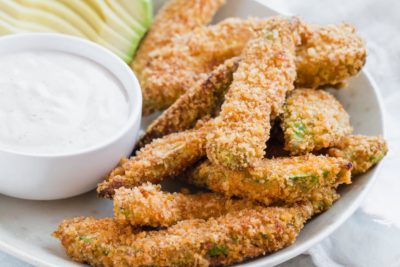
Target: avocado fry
329	56
90	240
203	99
175	18
326	55
363	151
163	158
147	205
274	181
221	241
313	120
256	96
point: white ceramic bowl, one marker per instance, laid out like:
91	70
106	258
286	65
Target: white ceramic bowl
45	177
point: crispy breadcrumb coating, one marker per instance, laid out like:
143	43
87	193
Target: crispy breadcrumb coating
222	241
313	120
174	69
323	198
363	151
89	240
256	96
203	99
180	56
164	157
147	205
176	17
329	55
274	181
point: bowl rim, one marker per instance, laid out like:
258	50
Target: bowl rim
50	41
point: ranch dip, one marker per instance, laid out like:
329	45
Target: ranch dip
55	103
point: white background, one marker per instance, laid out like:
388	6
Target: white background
371	237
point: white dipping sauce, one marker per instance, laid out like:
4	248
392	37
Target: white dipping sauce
54	103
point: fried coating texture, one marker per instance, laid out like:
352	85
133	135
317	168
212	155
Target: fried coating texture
147	205
363	151
164	157
274	181
204	98
256	96
89	240
174	69
329	55
222	241
313	120
176	17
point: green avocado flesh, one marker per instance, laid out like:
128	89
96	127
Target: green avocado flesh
118	25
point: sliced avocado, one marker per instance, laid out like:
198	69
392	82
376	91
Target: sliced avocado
75	20
6	28
115	24
23	13
141	10
104	31
22	25
85	12
93	14
119	10
111	19
63	12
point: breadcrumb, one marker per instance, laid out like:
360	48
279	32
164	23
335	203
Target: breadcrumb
327	55
203	99
363	151
164	157
90	240
256	96
313	120
174	69
258	205
147	205
176	17
222	241
274	181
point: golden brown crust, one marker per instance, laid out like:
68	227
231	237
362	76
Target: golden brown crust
209	229
329	55
148	205
164	157
313	120
176	17
274	181
203	99
89	240
363	151
256	95
229	239
174	69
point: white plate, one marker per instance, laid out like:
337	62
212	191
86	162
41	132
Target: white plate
25	226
